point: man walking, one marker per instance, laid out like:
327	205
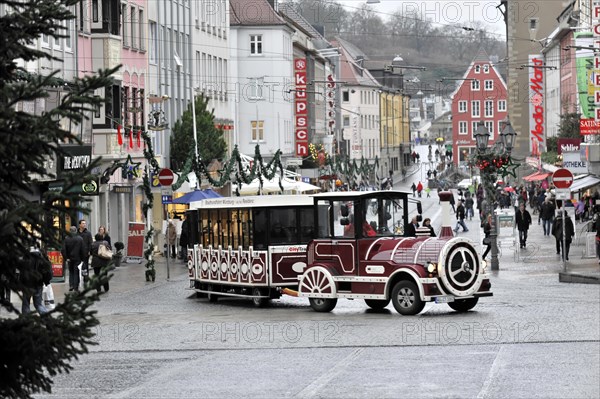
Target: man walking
460	217
557	232
87	246
73	253
523	220
547	214
40	274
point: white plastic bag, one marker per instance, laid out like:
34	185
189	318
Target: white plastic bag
48	297
82	273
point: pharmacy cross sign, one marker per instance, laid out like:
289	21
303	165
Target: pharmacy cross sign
562	178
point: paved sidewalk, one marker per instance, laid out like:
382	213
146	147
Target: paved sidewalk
540	255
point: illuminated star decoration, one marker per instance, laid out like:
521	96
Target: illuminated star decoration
509	169
130	169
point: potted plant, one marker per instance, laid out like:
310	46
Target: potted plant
118	255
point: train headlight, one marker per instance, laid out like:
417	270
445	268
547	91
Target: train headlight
431	267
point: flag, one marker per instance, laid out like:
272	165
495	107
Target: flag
119	135
130	139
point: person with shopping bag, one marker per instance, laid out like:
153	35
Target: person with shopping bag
38	274
101	256
73	253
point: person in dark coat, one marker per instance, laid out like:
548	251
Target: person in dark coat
427	224
39	274
104	233
97	262
73	253
487	241
460	217
547	214
411	228
87	246
557	232
183	239
523	220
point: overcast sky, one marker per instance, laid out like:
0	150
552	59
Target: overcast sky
443	12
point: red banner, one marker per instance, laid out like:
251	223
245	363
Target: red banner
135	240
589	126
57	264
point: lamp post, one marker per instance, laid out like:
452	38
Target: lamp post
489	160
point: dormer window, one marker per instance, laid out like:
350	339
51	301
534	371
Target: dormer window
486	68
477	68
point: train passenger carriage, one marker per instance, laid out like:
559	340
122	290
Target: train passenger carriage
329	246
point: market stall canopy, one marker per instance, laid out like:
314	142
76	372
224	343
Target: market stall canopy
197	195
537	176
272	186
584	181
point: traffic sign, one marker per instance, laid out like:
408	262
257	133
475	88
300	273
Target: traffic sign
166	177
562	178
563	194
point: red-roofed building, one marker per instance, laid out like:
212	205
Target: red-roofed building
480	96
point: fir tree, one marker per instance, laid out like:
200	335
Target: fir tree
211	144
33	347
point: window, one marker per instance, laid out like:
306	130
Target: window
345	96
475	110
462	127
255	44
81	16
462	106
475	84
346	120
486	68
153	43
95	11
488	85
489	108
124	26
257	130
501	105
133	26
141	24
45	41
489	125
68	33
477	68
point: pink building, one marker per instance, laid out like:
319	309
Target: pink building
481	96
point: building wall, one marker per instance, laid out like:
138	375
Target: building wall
464	119
520	15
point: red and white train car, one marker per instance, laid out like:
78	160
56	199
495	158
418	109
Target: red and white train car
329	246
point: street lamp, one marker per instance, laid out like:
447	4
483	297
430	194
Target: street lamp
489	160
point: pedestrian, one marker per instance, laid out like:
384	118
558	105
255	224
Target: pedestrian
419	189
104	233
183	239
427	224
523	220
411	228
172	238
469	207
452	201
34	279
413	188
428	192
557	232
73	253
435	174
460	217
547	214
87	247
98	263
487	229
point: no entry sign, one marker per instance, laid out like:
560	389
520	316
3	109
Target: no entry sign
165	177
562	178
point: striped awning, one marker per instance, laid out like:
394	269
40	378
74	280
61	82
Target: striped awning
537	176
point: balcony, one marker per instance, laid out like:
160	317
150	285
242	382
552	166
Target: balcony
106	50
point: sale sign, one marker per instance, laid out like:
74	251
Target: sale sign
58	272
301	108
135	240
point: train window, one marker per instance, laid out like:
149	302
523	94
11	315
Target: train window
246	228
224	225
307	225
323	219
260	228
343	219
283	226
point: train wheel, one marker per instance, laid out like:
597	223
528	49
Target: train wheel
463	305
322	304
405	298
377	304
317	281
259	302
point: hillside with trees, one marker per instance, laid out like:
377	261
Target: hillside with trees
445	49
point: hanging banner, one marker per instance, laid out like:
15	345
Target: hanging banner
586	73
301	108
537	105
135	240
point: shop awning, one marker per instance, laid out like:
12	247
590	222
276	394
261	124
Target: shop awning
197	195
537	176
584	182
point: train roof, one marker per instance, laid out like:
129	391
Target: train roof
257	201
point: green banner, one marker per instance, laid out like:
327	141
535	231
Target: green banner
584	63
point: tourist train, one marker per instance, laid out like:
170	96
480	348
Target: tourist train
329	246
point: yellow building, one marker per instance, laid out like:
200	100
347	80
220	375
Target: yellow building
394	129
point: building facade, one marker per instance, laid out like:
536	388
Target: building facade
481	96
